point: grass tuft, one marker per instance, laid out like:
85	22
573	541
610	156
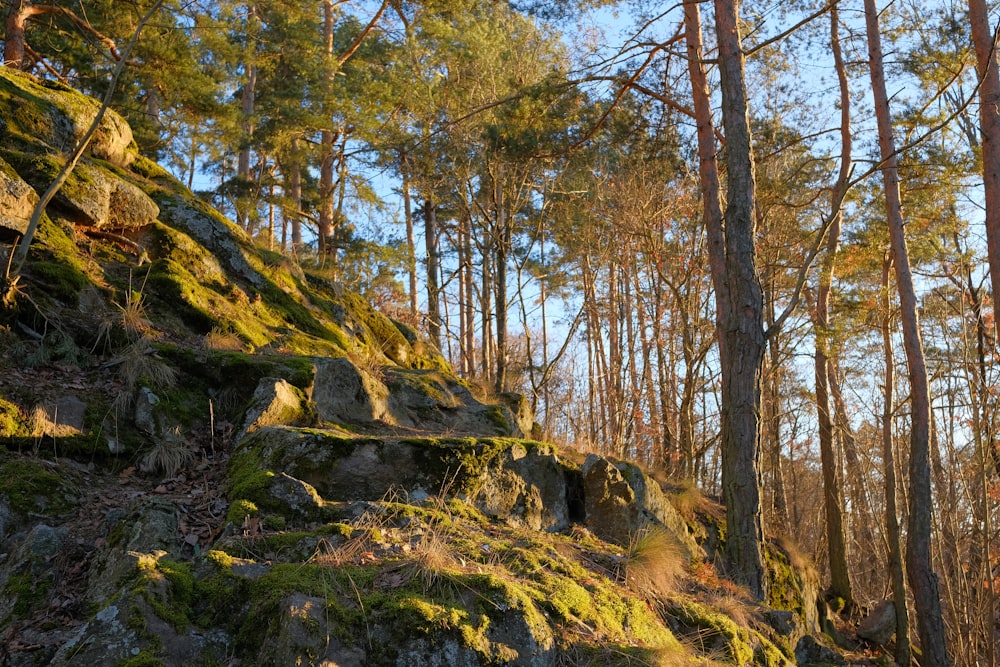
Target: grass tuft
653	564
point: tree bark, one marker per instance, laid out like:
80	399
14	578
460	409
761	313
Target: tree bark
894	548
920	571
432	244
743	329
247	101
411	243
833	496
988	68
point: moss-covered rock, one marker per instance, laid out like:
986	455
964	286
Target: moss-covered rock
58	116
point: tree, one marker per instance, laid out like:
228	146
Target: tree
988	67
920	571
840	575
738	294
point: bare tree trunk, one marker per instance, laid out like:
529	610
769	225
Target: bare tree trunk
743	353
833	497
411	243
469	342
895	550
295	194
502	248
432	243
988	67
15	42
920	570
326	143
772	418
465	317
248	98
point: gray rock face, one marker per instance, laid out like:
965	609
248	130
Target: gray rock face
879	625
528	488
343	392
30	561
223	239
97	198
620	500
17	201
151	529
518	482
128	624
808	651
346	393
304	637
63	416
275	402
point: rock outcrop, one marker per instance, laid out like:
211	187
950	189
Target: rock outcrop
260	468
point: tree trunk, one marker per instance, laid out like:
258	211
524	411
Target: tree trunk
895	550
833	496
295	194
411	243
247	101
15	43
502	249
469	342
920	571
743	330
432	241
988	67
326	143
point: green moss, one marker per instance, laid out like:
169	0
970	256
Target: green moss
12	421
174	605
220	558
144	658
785	590
150	170
240	509
248	478
30	487
766	654
497	418
28	591
712	631
65	281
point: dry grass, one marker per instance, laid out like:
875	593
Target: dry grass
167	455
369	362
138	362
736	605
38	421
223	340
653	564
133	315
687	499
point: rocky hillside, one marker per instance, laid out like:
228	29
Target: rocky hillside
215	457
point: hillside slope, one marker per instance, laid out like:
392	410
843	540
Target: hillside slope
213	456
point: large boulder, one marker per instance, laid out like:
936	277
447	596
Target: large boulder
620	501
304	636
299	470
275	402
92	196
879	625
346	391
17	202
343	392
56	115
